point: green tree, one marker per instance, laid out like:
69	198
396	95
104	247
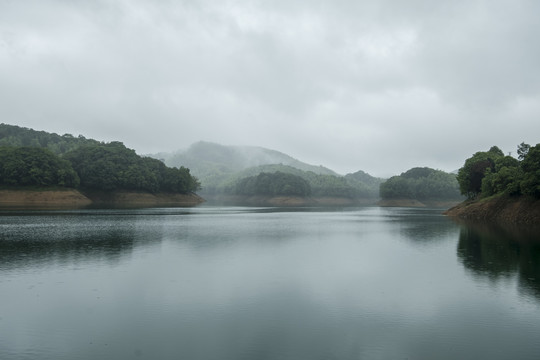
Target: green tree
30	166
530	184
273	184
112	166
504	178
11	135
522	150
396	187
472	173
421	184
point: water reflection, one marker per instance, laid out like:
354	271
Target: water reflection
33	240
497	253
422	226
32	252
242	283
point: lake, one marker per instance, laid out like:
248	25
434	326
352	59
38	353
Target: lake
265	283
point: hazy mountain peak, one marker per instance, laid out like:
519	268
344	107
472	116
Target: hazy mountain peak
204	156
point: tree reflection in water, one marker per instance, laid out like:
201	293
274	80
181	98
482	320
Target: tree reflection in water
497	253
62	238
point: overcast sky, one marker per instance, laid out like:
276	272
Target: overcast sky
380	86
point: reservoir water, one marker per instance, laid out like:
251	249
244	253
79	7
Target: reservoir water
265	283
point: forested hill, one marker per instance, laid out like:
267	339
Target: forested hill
421	183
320	185
500	187
41	159
65	160
16	136
224	170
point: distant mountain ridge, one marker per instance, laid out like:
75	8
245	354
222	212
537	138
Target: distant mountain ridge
220	169
205	157
218	166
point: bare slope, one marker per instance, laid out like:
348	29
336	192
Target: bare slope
502	209
73	199
63	198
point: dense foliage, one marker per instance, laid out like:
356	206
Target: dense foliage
273	184
44	159
16	136
322	185
220	167
490	172
366	185
112	166
332	186
421	184
30	166
470	176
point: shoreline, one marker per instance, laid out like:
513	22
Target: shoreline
285	201
417	203
11	199
500	209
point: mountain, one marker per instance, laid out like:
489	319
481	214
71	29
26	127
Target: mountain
41	159
204	156
220	169
215	164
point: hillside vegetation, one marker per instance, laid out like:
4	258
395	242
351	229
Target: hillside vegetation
273	184
27	166
37	158
16	136
501	188
490	172
225	170
422	184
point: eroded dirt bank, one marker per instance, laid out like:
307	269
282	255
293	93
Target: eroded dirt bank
501	209
70	198
133	199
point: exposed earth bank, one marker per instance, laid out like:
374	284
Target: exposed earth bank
500	209
70	198
64	198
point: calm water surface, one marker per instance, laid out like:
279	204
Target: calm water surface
265	283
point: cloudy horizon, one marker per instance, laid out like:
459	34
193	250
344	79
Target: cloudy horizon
378	86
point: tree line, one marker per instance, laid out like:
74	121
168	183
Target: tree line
87	164
352	186
16	136
28	166
273	184
112	166
421	183
488	173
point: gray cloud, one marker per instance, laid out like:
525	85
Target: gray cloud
375	85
